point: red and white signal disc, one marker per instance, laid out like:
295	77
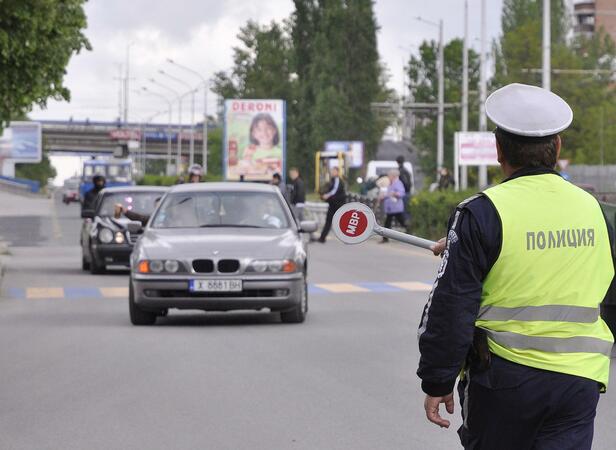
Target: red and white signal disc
353	223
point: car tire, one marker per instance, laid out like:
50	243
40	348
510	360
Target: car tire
297	315
95	268
138	316
85	265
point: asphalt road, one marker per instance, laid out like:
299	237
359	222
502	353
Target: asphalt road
76	375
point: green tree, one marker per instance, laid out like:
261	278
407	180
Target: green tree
37	172
423	75
37	40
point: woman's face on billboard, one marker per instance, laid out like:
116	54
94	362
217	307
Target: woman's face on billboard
264	134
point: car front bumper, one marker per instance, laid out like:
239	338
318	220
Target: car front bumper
112	254
277	294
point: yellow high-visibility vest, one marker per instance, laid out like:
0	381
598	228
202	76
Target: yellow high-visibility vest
540	300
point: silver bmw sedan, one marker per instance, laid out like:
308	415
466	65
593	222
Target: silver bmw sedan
220	247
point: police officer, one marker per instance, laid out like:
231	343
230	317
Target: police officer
90	197
515	305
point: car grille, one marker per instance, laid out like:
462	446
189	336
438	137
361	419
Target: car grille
133	237
228	265
203	265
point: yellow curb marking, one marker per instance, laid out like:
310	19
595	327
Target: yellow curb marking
340	288
114	292
412	286
36	293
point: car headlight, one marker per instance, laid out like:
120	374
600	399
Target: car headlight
119	237
274	266
105	235
156	266
172	266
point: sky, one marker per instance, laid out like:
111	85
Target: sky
200	34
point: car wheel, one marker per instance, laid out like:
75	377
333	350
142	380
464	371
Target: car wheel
137	316
96	268
297	315
85	265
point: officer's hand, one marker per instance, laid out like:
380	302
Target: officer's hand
439	247
431	405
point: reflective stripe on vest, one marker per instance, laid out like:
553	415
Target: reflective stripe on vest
547	313
577	344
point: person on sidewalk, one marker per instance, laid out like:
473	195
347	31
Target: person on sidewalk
335	196
394	201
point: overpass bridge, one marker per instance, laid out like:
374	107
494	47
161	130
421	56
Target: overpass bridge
98	138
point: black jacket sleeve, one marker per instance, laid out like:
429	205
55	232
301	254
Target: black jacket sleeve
448	321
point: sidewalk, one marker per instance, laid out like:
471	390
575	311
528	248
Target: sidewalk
14	205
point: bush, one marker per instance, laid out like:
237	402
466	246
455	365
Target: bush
430	212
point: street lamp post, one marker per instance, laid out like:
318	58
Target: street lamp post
483	120
179	138
441	94
547	48
205	89
192	92
464	171
169	128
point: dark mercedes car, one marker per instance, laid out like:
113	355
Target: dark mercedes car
107	239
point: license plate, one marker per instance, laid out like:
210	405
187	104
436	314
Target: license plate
216	285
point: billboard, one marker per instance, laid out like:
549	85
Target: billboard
476	148
254	139
21	142
355	149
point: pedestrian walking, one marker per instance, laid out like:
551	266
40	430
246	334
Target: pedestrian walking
297	193
394	201
525	265
335	196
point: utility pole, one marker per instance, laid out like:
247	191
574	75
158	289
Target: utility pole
127	82
547	48
441	99
463	169
483	120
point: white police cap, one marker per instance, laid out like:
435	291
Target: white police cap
528	110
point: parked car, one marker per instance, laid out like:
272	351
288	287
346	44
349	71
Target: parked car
70	190
221	247
107	240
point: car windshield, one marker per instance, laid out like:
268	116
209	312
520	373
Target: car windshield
119	172
221	209
141	202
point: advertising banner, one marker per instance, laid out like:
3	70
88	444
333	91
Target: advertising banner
21	142
254	139
476	148
355	150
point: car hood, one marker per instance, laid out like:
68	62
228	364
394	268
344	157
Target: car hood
191	243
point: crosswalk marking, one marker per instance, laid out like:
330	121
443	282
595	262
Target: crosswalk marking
121	292
412	286
111	292
339	288
51	292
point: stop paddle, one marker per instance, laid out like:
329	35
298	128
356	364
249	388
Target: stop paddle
354	223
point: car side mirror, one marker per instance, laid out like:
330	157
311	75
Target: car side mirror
87	214
308	226
133	226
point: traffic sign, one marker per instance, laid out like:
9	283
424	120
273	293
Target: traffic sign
354	223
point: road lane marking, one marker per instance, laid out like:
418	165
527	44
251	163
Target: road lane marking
114	292
412	286
380	287
341	288
82	292
44	292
